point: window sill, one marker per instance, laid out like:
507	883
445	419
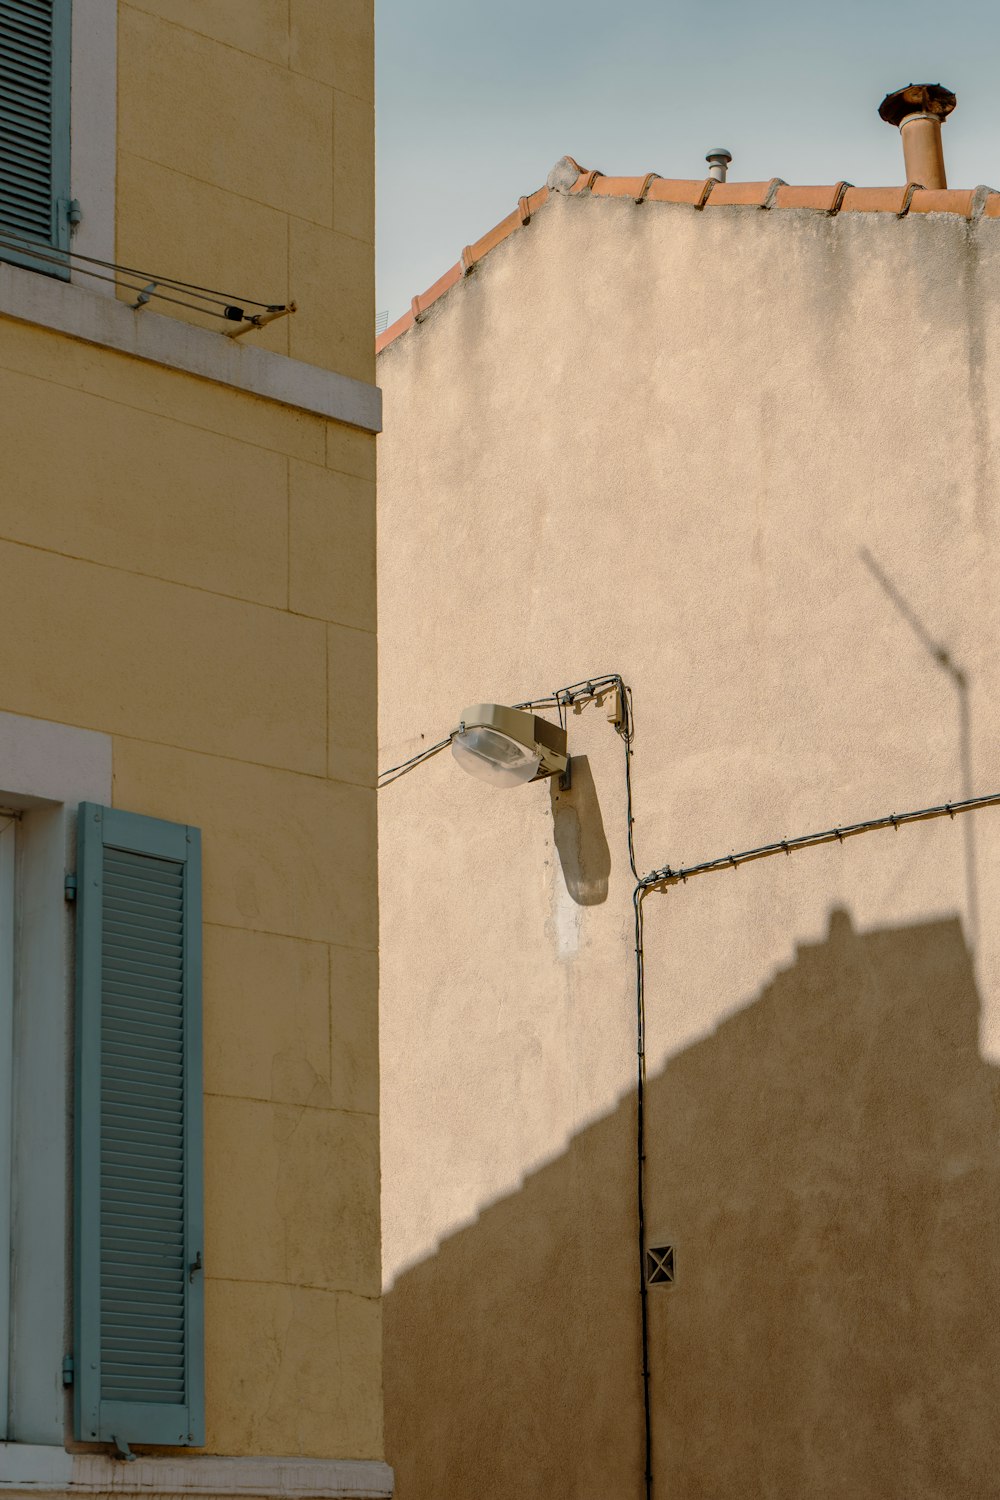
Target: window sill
81	314
30	1470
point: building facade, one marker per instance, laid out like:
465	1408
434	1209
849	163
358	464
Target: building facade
737	443
189	1153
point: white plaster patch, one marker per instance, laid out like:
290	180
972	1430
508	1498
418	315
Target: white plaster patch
567	915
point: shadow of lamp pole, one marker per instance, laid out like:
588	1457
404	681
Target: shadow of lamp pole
942	657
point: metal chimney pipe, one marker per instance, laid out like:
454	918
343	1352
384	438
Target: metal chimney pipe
920	110
718	163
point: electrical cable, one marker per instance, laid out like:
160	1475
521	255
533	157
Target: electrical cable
589	690
577	692
638	896
659	879
393	773
58	260
32	247
594	689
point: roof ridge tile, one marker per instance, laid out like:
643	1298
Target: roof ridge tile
569	179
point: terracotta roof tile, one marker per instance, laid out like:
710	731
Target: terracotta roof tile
944	201
621	187
875	200
825	199
393	331
680	190
585	182
444	283
495	236
734	194
840	197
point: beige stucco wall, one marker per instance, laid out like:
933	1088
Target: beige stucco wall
190	569
679	446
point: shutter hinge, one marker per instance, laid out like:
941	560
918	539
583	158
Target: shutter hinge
67	1369
195	1266
69	886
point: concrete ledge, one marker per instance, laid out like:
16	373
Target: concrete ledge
82	314
32	1471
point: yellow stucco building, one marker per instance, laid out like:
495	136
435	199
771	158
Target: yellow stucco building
189	1149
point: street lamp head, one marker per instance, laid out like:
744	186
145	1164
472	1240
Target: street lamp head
508	746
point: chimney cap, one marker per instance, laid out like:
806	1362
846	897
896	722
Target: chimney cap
720	152
917	99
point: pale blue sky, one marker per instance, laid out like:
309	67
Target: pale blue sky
477	100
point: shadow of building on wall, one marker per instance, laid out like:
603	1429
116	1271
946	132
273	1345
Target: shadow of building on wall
827	1165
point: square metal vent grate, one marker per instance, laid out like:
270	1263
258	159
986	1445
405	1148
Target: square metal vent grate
660	1265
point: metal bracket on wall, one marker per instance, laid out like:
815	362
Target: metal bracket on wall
660	1267
143	297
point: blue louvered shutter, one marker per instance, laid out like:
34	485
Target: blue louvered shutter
34	132
138	1297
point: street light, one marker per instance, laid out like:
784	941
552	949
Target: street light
509	747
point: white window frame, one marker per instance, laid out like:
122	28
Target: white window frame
93	132
46	770
8	825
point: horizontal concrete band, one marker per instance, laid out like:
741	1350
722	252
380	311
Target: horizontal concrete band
81	314
29	1470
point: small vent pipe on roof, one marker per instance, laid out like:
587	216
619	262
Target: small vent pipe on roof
920	110
718	163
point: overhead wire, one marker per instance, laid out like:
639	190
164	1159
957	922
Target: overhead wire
576	694
75	260
660	879
638	896
594	689
393	773
112	265
58	261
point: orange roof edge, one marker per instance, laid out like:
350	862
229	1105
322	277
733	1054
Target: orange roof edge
570	179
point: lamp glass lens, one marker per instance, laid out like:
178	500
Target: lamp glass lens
494	757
